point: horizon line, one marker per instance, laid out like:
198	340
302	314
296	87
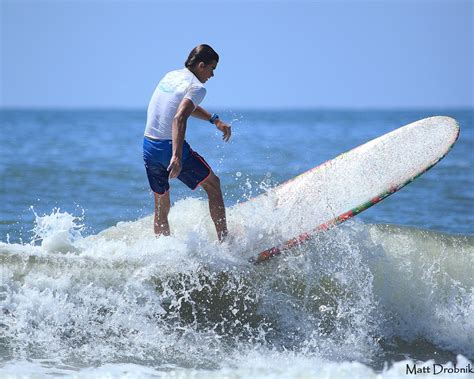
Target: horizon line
243	109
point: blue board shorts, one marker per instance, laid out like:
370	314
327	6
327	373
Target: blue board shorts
157	155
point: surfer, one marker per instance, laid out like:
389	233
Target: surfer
167	154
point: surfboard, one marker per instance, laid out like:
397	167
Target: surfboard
347	185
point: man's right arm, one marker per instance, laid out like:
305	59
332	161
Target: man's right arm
185	109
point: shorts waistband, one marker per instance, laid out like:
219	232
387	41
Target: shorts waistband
156	139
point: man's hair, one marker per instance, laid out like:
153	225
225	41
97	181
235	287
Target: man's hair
201	53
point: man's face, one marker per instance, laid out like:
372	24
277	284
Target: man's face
205	71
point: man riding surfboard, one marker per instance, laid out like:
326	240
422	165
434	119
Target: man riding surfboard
167	154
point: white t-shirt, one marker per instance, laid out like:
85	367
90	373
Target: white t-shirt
165	101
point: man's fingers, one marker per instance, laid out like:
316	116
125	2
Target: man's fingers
227	134
174	170
174	173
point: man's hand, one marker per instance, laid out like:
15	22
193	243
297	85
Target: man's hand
175	167
224	128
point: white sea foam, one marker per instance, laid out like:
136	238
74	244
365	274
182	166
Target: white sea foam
57	231
425	281
256	366
199	309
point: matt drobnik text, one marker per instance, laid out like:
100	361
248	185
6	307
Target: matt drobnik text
437	369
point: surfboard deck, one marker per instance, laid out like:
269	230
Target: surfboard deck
347	185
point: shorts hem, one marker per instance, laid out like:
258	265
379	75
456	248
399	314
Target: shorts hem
160	194
205	164
202	181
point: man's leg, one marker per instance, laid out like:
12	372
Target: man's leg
162	208
212	186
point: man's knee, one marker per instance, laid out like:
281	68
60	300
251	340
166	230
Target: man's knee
212	183
216	181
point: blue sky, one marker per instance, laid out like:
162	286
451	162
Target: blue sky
274	54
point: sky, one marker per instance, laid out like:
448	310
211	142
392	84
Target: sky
273	54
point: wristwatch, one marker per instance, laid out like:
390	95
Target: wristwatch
213	118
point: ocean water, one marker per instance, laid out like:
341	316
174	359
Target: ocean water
86	290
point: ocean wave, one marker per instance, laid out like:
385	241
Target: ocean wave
255	364
366	293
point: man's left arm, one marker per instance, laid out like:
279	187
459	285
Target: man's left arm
203	114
